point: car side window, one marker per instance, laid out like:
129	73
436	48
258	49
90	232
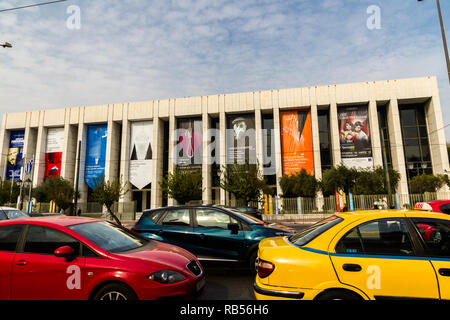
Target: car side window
379	237
2	216
209	218
43	240
152	217
445	208
176	217
436	236
9	235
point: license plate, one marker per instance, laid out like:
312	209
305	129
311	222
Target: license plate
200	284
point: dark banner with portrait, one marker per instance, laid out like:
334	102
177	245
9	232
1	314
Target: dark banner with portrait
189	143
241	139
15	155
354	135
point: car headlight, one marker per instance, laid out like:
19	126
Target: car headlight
166	277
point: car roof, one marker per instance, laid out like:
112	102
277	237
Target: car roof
390	213
62	221
8	208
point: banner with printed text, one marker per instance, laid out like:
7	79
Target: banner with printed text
97	137
54	152
15	155
141	154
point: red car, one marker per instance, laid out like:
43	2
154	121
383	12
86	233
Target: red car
441	206
74	258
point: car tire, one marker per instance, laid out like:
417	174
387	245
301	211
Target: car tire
252	262
338	295
115	292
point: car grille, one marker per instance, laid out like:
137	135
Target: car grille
194	268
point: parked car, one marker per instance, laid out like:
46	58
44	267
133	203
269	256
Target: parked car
78	258
7	213
211	233
371	255
442	206
251	211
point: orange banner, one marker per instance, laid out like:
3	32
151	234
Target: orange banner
296	142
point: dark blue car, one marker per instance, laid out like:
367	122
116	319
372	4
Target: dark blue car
211	233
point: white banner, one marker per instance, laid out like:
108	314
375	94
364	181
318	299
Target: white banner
141	153
55	140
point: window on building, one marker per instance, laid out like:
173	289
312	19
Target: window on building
384	133
325	142
269	147
415	139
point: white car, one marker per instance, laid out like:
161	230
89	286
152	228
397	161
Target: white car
11	213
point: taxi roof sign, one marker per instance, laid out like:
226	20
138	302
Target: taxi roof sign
423	206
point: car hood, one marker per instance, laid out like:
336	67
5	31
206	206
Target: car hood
161	253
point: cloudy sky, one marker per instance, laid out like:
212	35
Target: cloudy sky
136	50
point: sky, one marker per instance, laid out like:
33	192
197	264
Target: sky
108	51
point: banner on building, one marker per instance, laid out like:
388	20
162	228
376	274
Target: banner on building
296	142
241	139
54	152
95	153
141	154
15	155
189	151
354	135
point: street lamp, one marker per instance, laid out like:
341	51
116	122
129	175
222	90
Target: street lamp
5	44
443	36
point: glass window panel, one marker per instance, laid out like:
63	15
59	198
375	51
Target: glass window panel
423	132
410	132
43	240
426	156
412	153
408	117
177	217
208	218
9	235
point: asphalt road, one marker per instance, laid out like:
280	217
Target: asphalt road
227	283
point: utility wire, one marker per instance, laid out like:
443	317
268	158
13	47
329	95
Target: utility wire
33	5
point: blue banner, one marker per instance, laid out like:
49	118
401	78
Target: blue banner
95	153
15	155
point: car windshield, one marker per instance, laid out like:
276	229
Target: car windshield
307	235
108	236
14	214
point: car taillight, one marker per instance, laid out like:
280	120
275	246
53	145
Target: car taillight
265	268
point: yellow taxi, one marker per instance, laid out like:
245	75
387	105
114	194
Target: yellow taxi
367	255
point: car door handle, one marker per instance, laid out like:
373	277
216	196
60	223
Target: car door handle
21	263
352	267
159	232
444	272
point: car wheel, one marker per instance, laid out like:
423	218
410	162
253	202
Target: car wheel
115	292
338	295
252	262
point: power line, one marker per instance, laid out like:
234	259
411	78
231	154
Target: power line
33	5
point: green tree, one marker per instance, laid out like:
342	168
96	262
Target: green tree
370	182
426	183
183	185
300	184
106	193
55	189
244	181
6	196
338	178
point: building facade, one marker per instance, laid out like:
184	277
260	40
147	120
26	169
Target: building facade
363	125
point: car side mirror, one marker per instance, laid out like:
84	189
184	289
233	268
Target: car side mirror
234	227
65	252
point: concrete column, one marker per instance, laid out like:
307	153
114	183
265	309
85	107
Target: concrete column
375	133
316	146
29	147
158	157
397	153
70	152
334	135
223	151
277	136
82	136
39	168
206	166
112	147
125	154
436	132
4	140
259	139
172	137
